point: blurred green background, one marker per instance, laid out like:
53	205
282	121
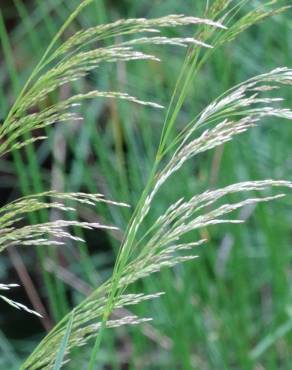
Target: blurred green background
231	308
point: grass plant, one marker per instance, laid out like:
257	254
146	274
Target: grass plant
161	229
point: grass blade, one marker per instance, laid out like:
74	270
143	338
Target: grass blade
63	346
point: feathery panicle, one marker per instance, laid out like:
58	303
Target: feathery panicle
231	114
49	233
125	27
68	63
85	326
234	112
45	234
255	16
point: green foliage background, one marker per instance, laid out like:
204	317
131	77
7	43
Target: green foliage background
232	308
